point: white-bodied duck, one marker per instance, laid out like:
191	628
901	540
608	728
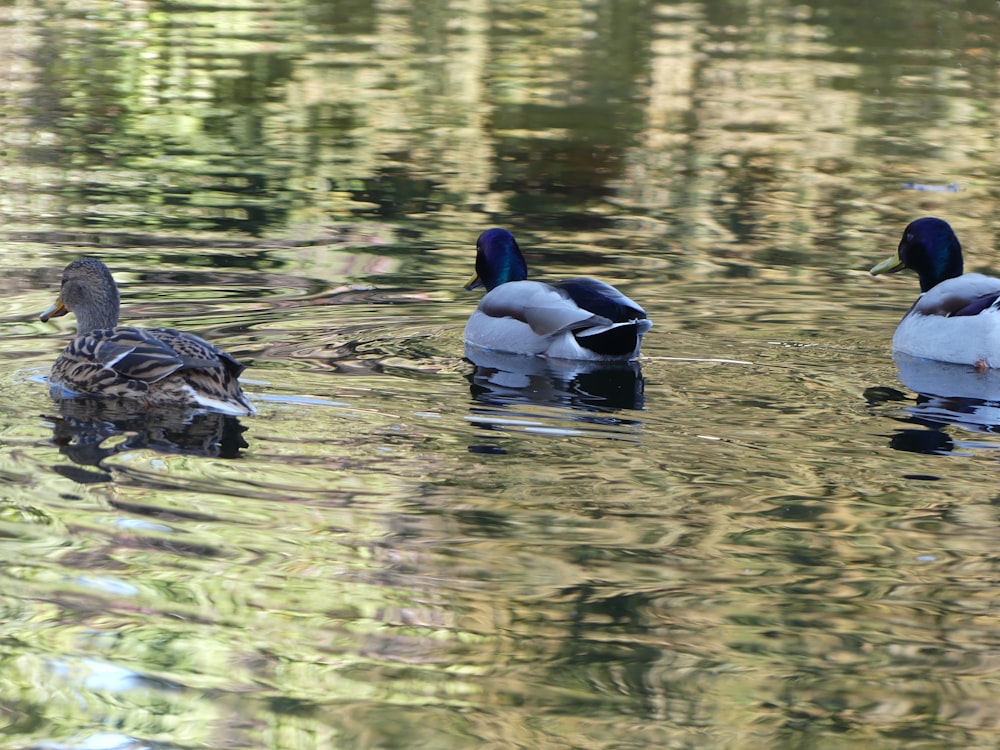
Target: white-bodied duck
581	318
956	318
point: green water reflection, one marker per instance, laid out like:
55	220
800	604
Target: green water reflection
766	534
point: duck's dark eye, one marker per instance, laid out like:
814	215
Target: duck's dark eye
909	236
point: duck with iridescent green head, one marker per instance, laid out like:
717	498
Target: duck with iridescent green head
956	318
577	319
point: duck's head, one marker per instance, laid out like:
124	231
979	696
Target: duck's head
498	260
929	247
89	291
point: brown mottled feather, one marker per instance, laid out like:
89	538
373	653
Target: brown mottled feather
155	366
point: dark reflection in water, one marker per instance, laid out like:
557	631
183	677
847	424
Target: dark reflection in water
962	394
947	395
552	397
86	430
301	182
930	441
501	379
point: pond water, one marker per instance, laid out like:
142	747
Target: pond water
767	533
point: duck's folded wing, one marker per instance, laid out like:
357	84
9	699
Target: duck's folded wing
132	352
962	296
546	309
978	305
601	299
195	352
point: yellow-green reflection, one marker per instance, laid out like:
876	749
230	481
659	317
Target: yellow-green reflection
731	546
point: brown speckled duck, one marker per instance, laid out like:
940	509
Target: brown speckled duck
153	366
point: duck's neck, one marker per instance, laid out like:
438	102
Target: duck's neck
935	254
947	266
96	316
512	269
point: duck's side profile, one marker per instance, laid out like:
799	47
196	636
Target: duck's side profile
956	318
152	366
581	318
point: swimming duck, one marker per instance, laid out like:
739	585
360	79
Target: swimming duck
153	366
956	318
582	318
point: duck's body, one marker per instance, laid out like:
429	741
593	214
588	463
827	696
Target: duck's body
581	319
153	366
956	321
956	318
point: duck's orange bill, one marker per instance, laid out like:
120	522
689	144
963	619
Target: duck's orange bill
55	311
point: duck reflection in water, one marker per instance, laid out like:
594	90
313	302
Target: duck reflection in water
501	379
947	394
90	430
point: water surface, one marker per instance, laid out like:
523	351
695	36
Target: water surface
767	533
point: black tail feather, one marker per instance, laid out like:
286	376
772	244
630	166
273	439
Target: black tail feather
619	341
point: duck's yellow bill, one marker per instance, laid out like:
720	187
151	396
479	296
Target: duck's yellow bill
54	312
474	281
889	265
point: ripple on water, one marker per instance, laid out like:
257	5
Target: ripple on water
727	545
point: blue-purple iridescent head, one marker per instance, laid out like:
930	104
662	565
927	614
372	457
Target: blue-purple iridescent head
498	260
929	247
